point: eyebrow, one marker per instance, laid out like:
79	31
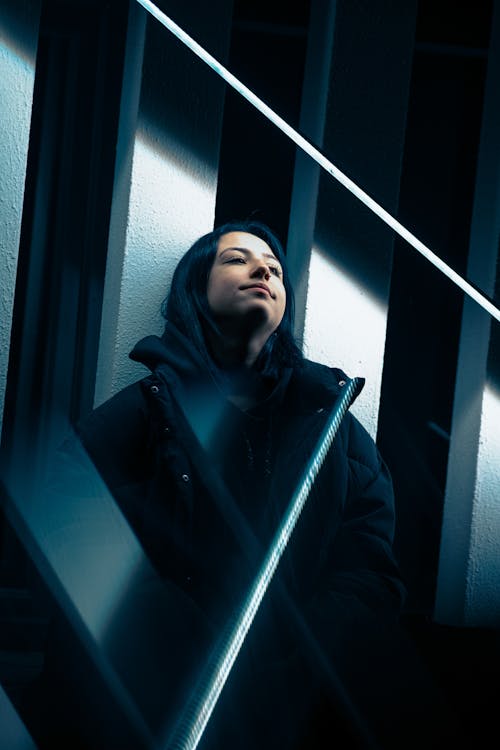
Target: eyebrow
245	251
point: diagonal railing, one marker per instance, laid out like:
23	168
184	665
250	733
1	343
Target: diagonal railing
315	153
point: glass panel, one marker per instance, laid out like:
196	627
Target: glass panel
151	587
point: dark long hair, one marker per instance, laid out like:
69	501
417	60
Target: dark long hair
186	305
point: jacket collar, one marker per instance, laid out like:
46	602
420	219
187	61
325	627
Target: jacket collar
310	387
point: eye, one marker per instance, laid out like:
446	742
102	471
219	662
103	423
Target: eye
236	259
276	270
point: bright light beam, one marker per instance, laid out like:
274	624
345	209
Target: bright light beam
321	159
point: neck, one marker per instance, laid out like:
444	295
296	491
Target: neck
236	351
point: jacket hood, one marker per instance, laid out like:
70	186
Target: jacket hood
173	350
175	353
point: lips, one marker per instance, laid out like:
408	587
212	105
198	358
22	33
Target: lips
258	285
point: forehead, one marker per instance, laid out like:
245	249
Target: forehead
245	241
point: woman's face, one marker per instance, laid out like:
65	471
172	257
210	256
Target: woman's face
246	283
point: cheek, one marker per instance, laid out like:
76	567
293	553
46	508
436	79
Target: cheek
282	306
219	292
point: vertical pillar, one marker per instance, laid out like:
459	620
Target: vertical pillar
19	22
468	590
166	176
340	252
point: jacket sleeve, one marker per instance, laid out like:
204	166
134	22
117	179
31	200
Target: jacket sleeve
362	562
354	614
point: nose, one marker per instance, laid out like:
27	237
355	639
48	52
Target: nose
261	271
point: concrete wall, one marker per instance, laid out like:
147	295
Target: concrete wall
19	21
166	177
359	91
468	591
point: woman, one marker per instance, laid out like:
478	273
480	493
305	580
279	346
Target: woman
203	456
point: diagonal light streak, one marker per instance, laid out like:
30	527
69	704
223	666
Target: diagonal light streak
321	159
197	714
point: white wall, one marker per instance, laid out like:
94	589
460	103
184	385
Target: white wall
468	586
18	45
345	327
165	188
340	254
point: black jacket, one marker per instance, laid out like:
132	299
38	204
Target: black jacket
204	485
145	449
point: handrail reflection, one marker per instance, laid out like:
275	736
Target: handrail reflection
315	153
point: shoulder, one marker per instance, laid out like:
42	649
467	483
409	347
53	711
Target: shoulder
315	386
360	448
316	371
